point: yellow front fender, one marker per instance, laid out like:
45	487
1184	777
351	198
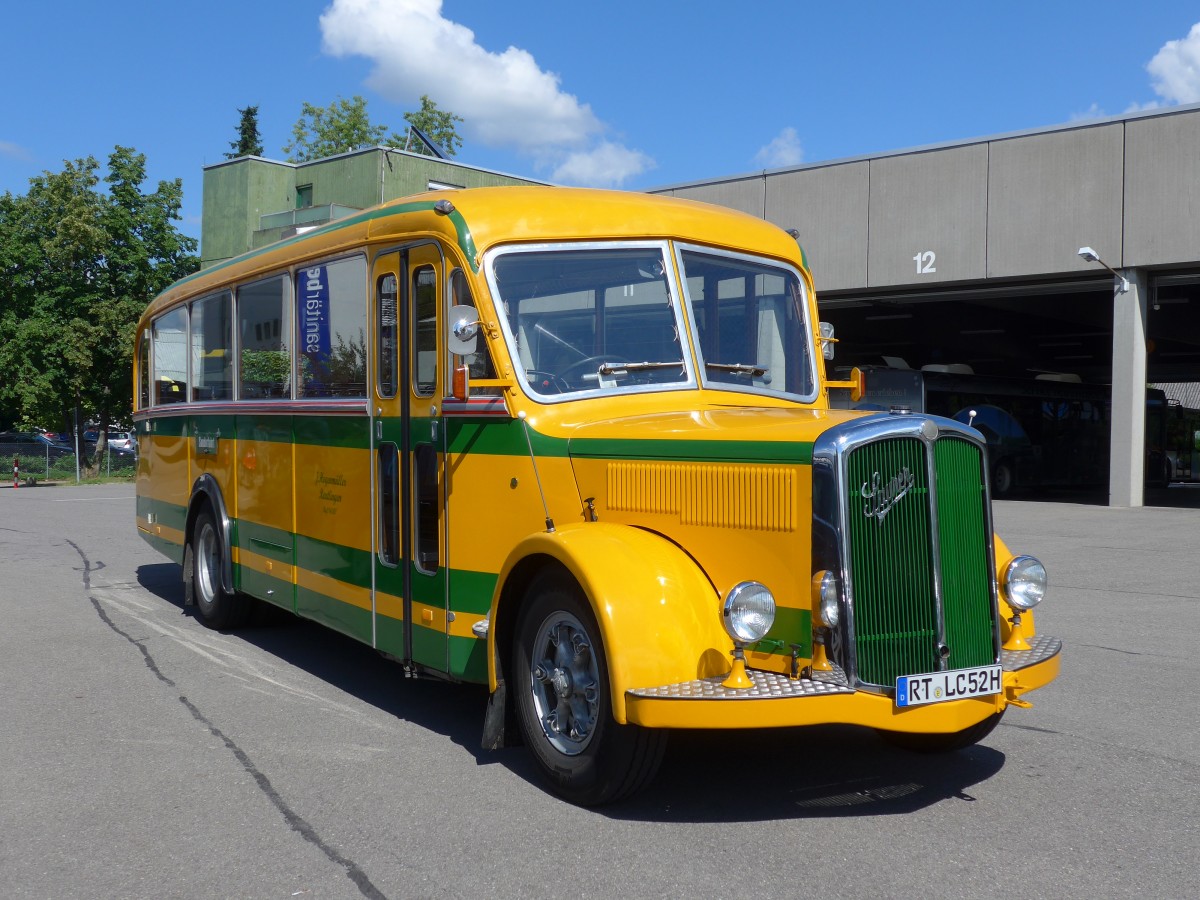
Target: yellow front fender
659	615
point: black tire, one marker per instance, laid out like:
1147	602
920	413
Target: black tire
561	692
214	606
943	743
1002	479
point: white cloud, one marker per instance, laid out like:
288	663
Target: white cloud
14	151
783	150
1176	69
1092	112
505	99
606	165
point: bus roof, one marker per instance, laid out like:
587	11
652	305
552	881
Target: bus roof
480	218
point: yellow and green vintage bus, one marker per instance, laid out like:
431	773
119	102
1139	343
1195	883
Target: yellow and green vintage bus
577	445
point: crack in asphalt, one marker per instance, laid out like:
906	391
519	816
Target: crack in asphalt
294	820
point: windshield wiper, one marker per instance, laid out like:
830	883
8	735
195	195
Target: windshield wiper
622	368
739	369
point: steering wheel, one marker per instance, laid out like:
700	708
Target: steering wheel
592	362
542	381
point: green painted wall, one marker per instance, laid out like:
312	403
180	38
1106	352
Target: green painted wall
238	193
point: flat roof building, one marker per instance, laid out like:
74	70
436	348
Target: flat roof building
968	254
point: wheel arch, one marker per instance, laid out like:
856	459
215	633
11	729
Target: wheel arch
659	615
206	492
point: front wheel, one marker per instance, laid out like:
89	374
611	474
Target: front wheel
216	607
1002	479
943	743
560	680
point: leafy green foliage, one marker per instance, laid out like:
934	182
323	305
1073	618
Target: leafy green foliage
77	267
437	124
342	126
249	142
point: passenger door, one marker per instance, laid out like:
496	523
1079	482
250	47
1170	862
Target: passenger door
409	507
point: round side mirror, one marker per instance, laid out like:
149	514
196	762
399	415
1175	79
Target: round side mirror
463	330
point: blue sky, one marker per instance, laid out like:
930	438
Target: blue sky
622	93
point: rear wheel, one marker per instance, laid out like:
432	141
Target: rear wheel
943	743
216	607
561	687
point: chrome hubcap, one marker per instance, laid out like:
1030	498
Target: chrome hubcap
206	567
565	683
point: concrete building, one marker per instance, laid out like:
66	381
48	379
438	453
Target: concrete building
250	202
967	254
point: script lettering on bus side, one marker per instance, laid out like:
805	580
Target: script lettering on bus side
325	484
881	497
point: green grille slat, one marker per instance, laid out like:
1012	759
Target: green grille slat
892	563
962	532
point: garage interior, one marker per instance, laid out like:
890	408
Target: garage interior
1022	331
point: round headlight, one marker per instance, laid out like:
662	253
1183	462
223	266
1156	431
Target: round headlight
749	612
825	592
1024	583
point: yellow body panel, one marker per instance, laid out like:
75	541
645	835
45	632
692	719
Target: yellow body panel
658	615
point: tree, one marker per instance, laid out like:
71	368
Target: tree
437	125
77	267
343	125
249	142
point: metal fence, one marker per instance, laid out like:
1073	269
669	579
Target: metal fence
33	463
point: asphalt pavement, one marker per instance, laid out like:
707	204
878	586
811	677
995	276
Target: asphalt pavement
143	755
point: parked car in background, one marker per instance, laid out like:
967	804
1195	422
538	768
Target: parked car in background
122	441
33	445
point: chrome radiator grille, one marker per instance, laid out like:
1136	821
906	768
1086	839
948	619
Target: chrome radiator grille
909	528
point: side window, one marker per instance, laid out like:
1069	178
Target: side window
212	348
144	370
169	334
480	362
424	310
386	340
265	334
331	313
389	503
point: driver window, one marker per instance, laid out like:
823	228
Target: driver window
480	362
578	314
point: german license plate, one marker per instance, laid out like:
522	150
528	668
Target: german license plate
957	684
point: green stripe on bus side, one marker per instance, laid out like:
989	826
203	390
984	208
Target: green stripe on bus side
506	437
793	452
346	564
468	659
171	515
347	618
471	592
266	587
167	548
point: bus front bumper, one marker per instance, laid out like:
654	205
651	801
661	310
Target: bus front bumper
777	701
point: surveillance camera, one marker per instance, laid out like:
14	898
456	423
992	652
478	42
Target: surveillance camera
1089	255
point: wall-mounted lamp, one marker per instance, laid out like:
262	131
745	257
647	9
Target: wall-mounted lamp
1090	255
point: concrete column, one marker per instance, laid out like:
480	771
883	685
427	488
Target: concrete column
1126	476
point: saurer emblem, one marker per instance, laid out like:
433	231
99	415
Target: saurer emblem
881	496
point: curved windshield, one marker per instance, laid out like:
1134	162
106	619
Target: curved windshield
591	318
748	317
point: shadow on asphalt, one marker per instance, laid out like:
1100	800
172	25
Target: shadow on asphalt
706	776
